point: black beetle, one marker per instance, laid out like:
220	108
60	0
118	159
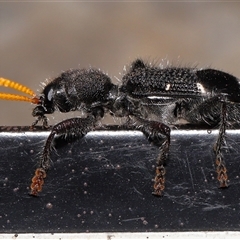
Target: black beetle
151	98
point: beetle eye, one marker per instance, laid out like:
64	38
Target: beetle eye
50	95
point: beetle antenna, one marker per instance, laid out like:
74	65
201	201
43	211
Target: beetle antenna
15	97
19	87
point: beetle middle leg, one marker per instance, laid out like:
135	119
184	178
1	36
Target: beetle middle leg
154	129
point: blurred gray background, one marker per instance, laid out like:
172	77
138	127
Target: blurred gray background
39	40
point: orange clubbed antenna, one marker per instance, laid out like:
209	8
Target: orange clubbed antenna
19	87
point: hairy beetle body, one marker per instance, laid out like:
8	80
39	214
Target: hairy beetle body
151	98
189	94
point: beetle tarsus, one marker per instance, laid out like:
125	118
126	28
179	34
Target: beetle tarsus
221	168
38	181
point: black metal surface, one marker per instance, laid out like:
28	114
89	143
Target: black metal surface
103	183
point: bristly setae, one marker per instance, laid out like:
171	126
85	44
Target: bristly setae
150	98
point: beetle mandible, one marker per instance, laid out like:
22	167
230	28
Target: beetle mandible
151	98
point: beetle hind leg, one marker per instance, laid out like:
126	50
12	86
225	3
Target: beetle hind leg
221	168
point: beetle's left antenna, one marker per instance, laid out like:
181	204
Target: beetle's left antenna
19	87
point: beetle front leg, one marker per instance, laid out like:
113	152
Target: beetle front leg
77	126
154	129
